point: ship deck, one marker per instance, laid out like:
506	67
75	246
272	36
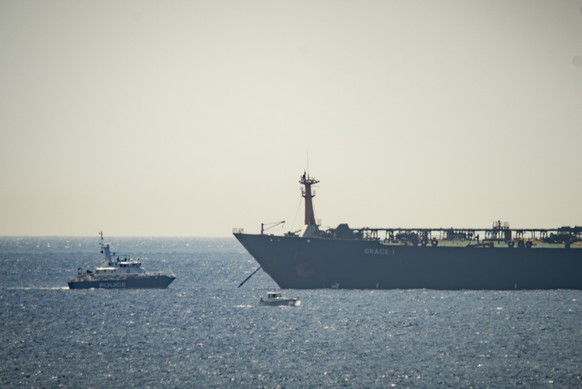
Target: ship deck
485	244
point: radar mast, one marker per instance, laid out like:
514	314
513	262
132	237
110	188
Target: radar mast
308	194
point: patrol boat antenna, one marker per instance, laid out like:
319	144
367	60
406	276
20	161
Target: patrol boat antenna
105	250
310	225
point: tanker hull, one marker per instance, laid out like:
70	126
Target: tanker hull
295	262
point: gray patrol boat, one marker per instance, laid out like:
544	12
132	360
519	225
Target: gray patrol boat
497	258
119	273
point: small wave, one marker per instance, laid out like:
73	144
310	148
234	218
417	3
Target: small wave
243	306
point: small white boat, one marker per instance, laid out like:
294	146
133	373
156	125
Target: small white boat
276	299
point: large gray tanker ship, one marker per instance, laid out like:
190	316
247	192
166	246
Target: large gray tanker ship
498	258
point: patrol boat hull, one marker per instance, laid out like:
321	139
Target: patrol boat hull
295	262
149	282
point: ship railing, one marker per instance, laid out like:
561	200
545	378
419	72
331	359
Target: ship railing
238	230
557	235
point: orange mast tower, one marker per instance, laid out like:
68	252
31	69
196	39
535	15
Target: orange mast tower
310	224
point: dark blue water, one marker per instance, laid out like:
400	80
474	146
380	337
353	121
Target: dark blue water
205	332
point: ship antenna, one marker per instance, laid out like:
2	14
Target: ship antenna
105	250
306	192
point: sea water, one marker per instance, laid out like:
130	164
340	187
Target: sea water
204	331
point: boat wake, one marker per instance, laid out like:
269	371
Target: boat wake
37	288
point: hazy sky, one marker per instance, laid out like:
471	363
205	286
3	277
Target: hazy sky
189	118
